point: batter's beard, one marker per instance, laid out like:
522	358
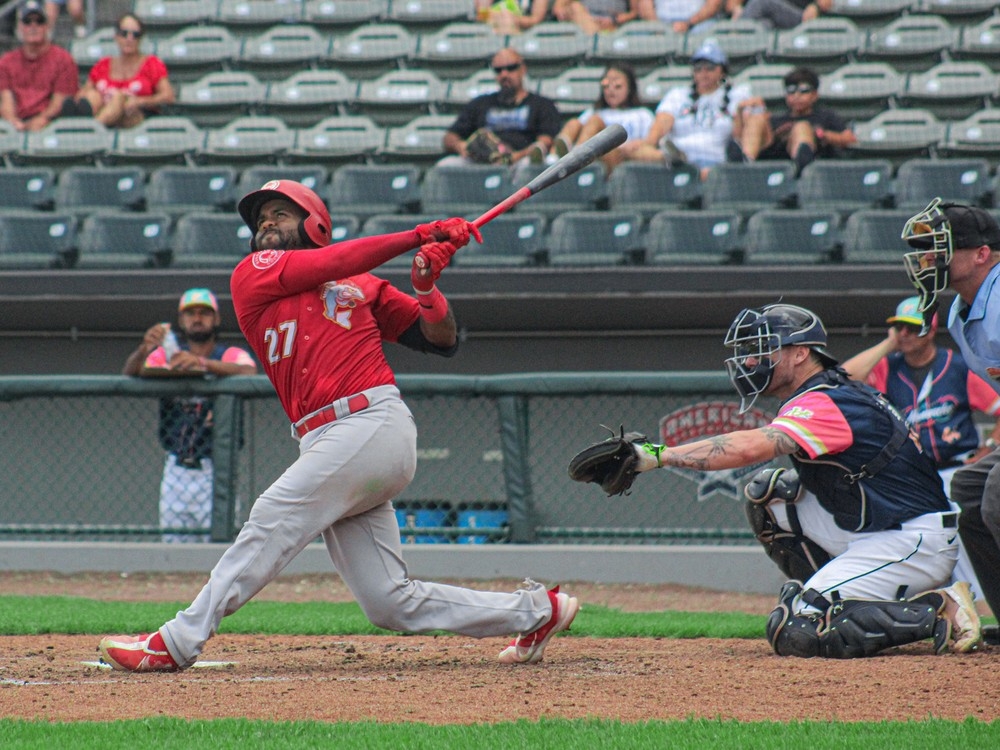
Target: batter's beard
283	240
200	337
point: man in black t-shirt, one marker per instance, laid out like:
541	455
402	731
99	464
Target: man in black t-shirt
524	122
804	132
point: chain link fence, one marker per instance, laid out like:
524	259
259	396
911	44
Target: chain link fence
84	458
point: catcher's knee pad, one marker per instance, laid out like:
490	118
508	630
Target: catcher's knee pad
853	628
773	484
790	634
796	555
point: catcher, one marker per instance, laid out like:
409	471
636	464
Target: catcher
871	542
509	126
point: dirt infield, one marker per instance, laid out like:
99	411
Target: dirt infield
453	679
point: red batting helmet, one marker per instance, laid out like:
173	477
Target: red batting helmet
316	224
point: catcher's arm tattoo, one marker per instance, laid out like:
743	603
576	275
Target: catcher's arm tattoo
721	452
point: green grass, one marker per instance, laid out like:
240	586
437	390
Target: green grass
30	615
549	734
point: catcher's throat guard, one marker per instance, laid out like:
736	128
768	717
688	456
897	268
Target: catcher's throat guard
928	266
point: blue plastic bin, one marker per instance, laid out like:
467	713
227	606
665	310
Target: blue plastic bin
481	516
418	516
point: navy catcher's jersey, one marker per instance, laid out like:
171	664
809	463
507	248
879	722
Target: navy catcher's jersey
842	426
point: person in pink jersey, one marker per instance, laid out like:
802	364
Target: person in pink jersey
317	319
191	349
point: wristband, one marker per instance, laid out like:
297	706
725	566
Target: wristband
433	305
991	443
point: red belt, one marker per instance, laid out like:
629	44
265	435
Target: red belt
329	414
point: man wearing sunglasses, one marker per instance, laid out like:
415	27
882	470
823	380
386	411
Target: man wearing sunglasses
958	246
802	133
522	123
37	77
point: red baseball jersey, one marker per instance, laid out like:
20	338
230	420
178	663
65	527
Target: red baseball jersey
318	339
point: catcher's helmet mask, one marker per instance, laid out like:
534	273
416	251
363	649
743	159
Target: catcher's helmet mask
315	227
757	337
935	233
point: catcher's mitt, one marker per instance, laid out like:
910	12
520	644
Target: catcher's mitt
610	463
484	147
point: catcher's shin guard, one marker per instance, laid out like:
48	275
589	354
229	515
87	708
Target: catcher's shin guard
796	555
853	628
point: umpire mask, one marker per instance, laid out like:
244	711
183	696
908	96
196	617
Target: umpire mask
927	267
756	338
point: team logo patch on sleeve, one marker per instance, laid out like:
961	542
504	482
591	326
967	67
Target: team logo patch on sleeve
266	258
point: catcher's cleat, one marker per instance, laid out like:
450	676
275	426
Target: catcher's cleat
942	635
137	653
965	628
528	649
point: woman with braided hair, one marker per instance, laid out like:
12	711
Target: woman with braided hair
694	124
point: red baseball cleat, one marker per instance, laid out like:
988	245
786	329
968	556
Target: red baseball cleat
528	649
137	653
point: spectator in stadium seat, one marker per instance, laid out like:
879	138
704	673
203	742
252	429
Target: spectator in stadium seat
593	16
618	104
121	91
37	77
801	134
75	10
524	121
695	123
682	15
512	16
778	14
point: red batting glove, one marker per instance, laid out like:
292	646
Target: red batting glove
456	231
428	264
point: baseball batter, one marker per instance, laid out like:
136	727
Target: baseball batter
316	318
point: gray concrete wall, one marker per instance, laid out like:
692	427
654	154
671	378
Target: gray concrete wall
742	569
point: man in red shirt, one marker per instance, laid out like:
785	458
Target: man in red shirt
316	318
39	76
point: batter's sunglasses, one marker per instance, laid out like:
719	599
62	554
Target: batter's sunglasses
498	69
910	327
34	21
125	33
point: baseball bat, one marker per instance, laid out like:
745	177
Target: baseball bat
611	137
